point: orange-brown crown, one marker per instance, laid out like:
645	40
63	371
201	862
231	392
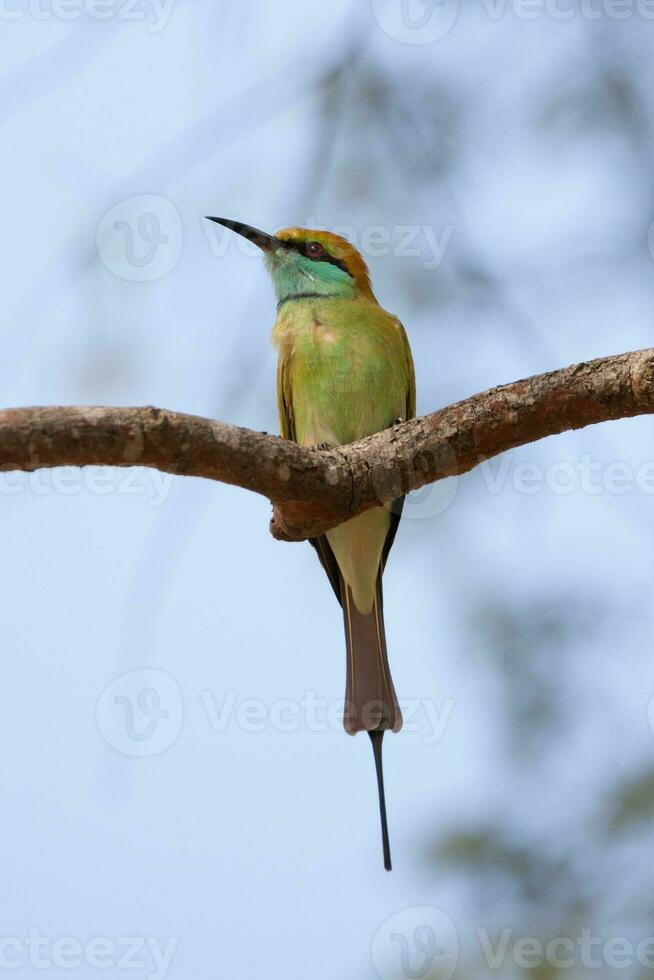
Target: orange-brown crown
345	254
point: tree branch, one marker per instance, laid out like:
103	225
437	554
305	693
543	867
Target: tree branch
313	490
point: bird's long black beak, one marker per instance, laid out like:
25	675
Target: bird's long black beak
266	242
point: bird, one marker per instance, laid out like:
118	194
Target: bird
345	371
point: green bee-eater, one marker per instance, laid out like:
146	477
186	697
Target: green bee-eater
345	371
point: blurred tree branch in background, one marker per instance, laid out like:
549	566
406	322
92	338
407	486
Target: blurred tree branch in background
313	490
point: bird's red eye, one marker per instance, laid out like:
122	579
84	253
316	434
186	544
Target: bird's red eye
315	250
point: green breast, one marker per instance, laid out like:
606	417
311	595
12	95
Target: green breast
346	369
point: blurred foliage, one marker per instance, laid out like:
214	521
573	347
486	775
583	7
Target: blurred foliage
527	644
631	807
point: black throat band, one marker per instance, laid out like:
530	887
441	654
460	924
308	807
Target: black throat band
288	299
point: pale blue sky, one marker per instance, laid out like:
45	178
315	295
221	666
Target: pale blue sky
258	851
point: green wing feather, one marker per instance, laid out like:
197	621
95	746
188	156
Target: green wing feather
411	373
287	426
397	505
285	400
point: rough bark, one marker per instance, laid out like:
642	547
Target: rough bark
313	490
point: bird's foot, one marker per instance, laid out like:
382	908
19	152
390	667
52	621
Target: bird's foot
322	445
398	421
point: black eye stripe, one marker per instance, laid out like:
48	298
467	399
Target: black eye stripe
301	247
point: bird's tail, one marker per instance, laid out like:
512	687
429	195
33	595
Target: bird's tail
370	701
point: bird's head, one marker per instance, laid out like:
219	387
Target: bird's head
303	261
